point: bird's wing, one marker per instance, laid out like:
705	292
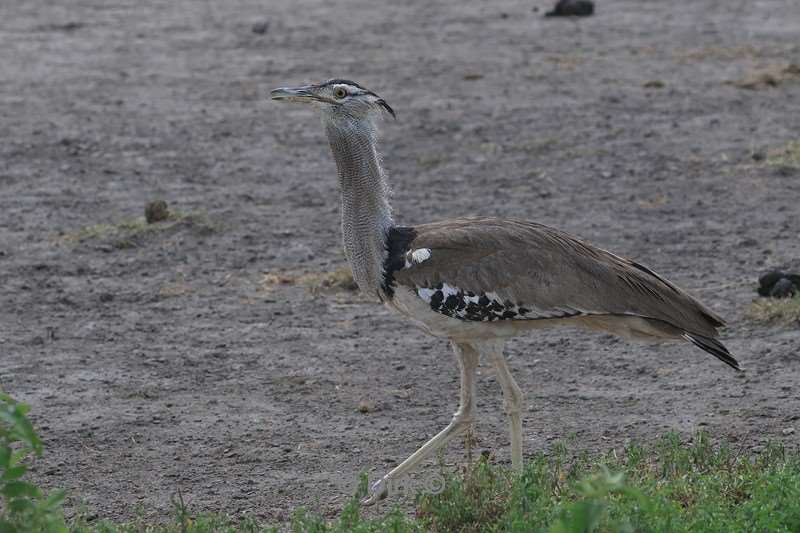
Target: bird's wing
494	269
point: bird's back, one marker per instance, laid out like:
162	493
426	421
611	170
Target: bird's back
529	267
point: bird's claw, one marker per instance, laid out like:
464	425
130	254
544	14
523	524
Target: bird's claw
378	491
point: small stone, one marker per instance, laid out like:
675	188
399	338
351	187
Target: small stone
784	288
260	27
654	84
365	407
788	431
768	280
156	211
572	8
759	156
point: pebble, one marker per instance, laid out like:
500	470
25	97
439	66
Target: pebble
572	8
768	282
784	288
260	27
788	431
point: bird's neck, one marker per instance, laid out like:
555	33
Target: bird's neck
366	212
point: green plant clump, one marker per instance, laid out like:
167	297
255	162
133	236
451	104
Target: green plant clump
24	508
669	487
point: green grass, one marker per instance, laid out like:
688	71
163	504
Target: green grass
666	487
670	486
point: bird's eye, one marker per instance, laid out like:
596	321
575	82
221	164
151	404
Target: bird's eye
339	92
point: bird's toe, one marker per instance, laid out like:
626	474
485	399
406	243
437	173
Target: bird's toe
378	491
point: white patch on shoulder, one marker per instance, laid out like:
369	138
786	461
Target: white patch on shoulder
420	255
415	257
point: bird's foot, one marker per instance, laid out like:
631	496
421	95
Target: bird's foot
378	491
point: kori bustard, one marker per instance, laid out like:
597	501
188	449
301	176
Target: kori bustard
479	281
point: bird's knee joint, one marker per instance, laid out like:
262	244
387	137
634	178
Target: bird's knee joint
513	406
461	420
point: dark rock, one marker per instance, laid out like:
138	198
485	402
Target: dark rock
759	156
106	297
156	211
261	27
784	288
572	8
767	281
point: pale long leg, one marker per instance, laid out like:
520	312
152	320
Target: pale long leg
468	363
512	403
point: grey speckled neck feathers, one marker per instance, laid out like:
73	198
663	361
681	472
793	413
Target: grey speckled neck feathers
366	213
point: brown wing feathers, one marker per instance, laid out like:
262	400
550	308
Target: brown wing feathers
542	268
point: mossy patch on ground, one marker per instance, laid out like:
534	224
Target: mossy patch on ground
133	232
776	310
340	279
785	156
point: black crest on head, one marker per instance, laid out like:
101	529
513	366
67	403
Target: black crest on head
387	107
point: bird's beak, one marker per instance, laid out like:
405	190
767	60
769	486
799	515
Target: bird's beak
294	94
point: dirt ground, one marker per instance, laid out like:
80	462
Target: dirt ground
157	359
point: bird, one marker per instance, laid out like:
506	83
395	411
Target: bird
478	281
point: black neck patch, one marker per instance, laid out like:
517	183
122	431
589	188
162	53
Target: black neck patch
398	241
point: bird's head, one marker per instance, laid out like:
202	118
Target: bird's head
340	100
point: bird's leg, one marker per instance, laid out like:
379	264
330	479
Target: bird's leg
468	363
512	403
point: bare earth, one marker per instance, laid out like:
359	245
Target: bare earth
162	361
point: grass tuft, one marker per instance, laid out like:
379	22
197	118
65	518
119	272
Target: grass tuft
772	76
339	279
787	156
131	233
776	310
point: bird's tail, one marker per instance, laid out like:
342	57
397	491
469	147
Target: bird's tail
714	347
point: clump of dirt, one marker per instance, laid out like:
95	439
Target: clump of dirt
572	8
654	84
156	211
